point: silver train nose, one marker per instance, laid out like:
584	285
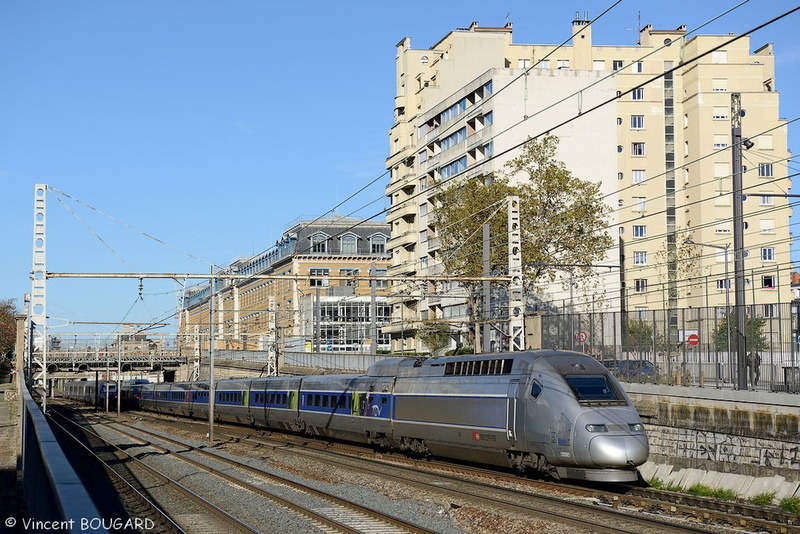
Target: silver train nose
618	451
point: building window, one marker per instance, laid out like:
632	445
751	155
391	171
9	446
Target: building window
616	64
768	282
638	67
766	226
637	122
765	170
640	312
637	176
352	280
637	94
543	64
723	284
620	176
318	277
423	209
639	230
640	258
637	149
349	244
640	285
770	310
768	254
319	242
720	142
598	64
377	244
719	56
639	203
523	63
451	169
767	199
380	283
563	63
719	85
720	113
723	226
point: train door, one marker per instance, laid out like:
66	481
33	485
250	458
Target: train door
359	400
512	409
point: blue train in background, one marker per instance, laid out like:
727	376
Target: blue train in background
558	413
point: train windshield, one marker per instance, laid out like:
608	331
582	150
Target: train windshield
592	388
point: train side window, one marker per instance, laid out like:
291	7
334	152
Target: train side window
536	389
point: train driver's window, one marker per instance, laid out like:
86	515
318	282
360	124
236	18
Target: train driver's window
536	389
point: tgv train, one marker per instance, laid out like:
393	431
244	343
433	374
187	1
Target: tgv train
87	391
555	412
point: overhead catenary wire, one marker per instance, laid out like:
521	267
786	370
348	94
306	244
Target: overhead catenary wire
645	82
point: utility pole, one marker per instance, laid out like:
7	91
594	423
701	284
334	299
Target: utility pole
211	362
738	239
487	295
516	303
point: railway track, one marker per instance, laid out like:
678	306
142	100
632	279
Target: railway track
579	514
327	512
704	514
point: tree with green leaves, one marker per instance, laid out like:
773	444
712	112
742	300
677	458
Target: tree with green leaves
754	332
435	335
8	326
8	336
562	220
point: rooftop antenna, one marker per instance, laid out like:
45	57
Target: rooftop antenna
638	24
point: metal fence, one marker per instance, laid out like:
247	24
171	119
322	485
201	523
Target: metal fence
691	346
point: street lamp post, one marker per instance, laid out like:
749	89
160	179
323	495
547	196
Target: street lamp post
726	248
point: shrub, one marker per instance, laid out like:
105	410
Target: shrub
702	490
791	504
657	483
762	499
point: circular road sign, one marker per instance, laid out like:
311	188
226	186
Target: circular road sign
693	340
582	336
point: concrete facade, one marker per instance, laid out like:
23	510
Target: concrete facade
661	149
327	257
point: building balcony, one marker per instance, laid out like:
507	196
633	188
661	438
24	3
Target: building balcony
405	209
434	243
403	238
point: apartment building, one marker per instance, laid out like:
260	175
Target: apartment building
318	287
650	122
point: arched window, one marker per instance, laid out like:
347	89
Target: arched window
377	244
349	244
319	242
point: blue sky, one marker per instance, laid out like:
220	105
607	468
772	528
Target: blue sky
213	125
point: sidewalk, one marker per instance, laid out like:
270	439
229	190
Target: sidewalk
9	451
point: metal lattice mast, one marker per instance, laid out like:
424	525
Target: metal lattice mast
39	278
516	318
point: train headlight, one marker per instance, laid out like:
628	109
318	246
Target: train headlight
597	428
636	427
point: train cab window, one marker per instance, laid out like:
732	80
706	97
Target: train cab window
324	401
536	389
592	388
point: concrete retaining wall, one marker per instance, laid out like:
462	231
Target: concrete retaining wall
743	432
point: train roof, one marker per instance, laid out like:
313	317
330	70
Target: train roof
424	366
